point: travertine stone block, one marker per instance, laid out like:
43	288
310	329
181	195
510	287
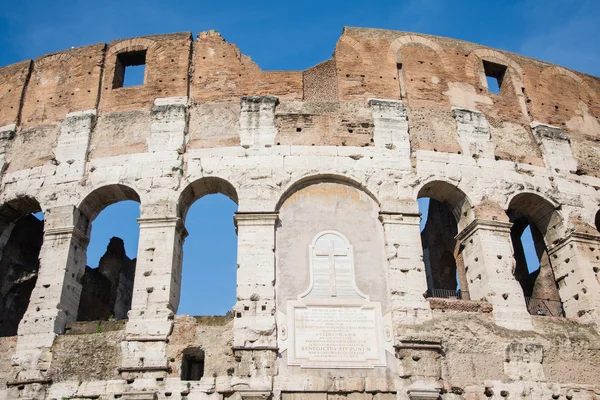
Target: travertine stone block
556	147
474	133
391	125
72	148
576	269
257	121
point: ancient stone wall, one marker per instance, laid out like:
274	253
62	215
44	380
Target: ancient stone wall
326	165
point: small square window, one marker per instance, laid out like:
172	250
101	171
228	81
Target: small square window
494	74
192	365
130	69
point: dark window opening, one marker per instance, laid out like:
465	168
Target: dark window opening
192	365
533	270
597	221
107	282
130	69
19	266
494	74
442	253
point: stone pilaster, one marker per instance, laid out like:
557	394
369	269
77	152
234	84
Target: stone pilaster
474	133
55	298
257	121
391	125
167	132
576	265
254	313
72	146
556	147
155	295
7	132
489	265
406	271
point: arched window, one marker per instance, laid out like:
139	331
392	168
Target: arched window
535	221
208	282
107	282
439	205
21	237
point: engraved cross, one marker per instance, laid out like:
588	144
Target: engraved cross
330	254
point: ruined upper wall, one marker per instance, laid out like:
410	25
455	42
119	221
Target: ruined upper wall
324	105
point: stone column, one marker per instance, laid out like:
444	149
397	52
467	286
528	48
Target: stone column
155	295
55	298
576	265
406	271
254	323
489	265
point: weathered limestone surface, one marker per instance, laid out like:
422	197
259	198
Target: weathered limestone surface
326	166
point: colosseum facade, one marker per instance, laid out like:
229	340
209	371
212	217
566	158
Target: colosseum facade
339	294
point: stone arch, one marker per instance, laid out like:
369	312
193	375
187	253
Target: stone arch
409	40
12	210
597	221
53	58
322	203
21	237
540	211
226	237
545	223
335	178
548	73
107	289
103	196
451	195
136	44
200	188
449	211
355	44
474	66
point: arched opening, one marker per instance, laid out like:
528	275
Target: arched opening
597	221
107	282
208	282
442	206
21	237
535	221
338	208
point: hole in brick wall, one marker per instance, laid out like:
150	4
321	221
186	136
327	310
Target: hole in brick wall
130	69
298	129
494	74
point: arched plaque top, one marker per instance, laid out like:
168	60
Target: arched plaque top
332	268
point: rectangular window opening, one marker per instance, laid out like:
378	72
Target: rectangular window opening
130	69
494	74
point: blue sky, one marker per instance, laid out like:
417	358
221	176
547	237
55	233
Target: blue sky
281	35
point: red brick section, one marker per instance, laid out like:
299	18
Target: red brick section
221	72
364	66
166	72
61	83
12	83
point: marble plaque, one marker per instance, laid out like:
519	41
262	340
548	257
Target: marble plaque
333	324
339	336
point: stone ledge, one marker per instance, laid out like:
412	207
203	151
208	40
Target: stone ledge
437	303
